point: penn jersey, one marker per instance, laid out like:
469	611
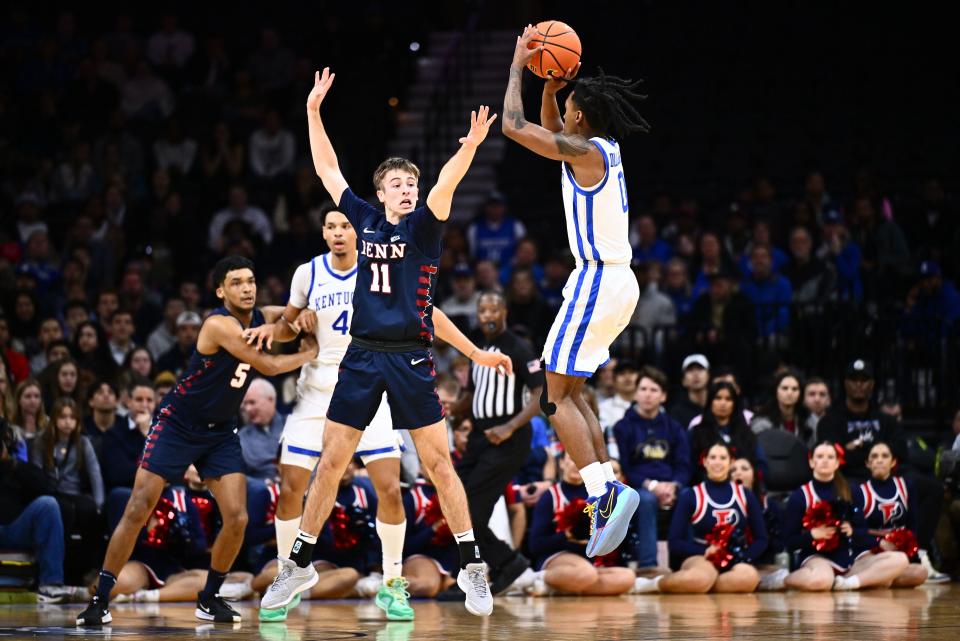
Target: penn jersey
396	272
598	216
329	293
210	390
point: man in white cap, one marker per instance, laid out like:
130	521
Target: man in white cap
188	329
696	376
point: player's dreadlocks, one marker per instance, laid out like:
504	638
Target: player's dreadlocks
606	102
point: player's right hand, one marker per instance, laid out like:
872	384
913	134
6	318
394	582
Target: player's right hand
321	85
553	84
307	320
259	337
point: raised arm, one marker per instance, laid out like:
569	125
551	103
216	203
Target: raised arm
550	118
545	141
225	332
448	332
324	158
440	197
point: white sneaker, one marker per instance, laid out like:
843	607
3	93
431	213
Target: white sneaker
473	582
522	583
291	581
774	581
933	576
61	594
644	585
539	586
368	586
236	590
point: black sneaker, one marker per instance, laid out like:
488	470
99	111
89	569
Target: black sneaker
509	572
215	609
97	613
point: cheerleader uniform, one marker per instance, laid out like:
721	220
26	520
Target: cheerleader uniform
701	507
798	539
886	505
544	540
420	535
773	520
359	501
165	549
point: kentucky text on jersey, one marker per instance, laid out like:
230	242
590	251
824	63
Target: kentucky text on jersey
332	299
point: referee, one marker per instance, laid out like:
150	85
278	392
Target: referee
499	444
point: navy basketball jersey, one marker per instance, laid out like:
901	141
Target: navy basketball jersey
397	272
886	504
717	503
210	390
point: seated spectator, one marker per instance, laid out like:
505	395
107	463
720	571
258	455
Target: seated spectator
121	335
785	411
125	441
102	415
654	309
932	309
272	149
67	458
430	556
260	435
655	455
493	235
713	260
885	257
524	258
461	307
558	541
16	360
625	379
810	279
488	279
771	574
30	520
145	96
61	380
816	400
677	286
695	373
724	421
723	323
555	275
139	363
239	209
29	414
170	48
769	292
164	336
647	245
843	254
527	312
91	351
175	152
716	501
176	358
603	380
50	331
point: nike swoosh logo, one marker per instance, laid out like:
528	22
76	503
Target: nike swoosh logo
607	510
416	361
367	230
204	608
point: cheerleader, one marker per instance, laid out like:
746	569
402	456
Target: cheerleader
711	557
430	557
889	504
771	574
344	550
824	554
558	541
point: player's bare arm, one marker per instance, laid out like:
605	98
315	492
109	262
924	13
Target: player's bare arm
283	324
447	331
440	197
550	118
556	145
226	332
324	157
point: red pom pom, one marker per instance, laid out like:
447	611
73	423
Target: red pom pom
569	516
904	540
207	517
434	514
344	537
720	537
165	514
821	514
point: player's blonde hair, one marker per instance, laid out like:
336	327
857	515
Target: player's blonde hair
400	164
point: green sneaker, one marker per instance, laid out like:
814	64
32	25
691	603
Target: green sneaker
277	615
392	599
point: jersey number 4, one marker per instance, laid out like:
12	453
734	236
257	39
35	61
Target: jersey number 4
342	324
381	278
240	375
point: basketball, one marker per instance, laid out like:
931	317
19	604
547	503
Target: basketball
561	49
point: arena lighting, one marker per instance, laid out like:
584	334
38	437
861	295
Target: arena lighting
414	46
393	101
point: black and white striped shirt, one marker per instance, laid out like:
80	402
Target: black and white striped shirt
498	398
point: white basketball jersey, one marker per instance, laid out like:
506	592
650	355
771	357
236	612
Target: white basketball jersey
317	286
598	216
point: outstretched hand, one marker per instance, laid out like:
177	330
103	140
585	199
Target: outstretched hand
496	360
321	85
523	54
553	84
479	126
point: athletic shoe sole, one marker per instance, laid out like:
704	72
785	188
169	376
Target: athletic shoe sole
611	536
107	618
303	587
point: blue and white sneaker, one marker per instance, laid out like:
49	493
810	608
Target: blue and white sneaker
610	516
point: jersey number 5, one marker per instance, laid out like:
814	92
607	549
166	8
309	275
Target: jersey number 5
240	376
381	278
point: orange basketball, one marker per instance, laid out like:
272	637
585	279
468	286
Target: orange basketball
561	49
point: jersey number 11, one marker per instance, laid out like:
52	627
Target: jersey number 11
381	278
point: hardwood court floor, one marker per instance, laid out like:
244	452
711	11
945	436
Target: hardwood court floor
931	612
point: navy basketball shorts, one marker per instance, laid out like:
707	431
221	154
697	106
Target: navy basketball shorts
408	378
171	448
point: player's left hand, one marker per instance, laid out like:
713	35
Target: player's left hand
479	126
498	434
259	337
498	360
523	54
307	320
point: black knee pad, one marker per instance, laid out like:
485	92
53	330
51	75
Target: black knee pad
548	408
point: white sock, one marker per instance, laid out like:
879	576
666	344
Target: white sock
306	536
608	473
853	582
465	537
147	596
391	543
595	479
286	534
